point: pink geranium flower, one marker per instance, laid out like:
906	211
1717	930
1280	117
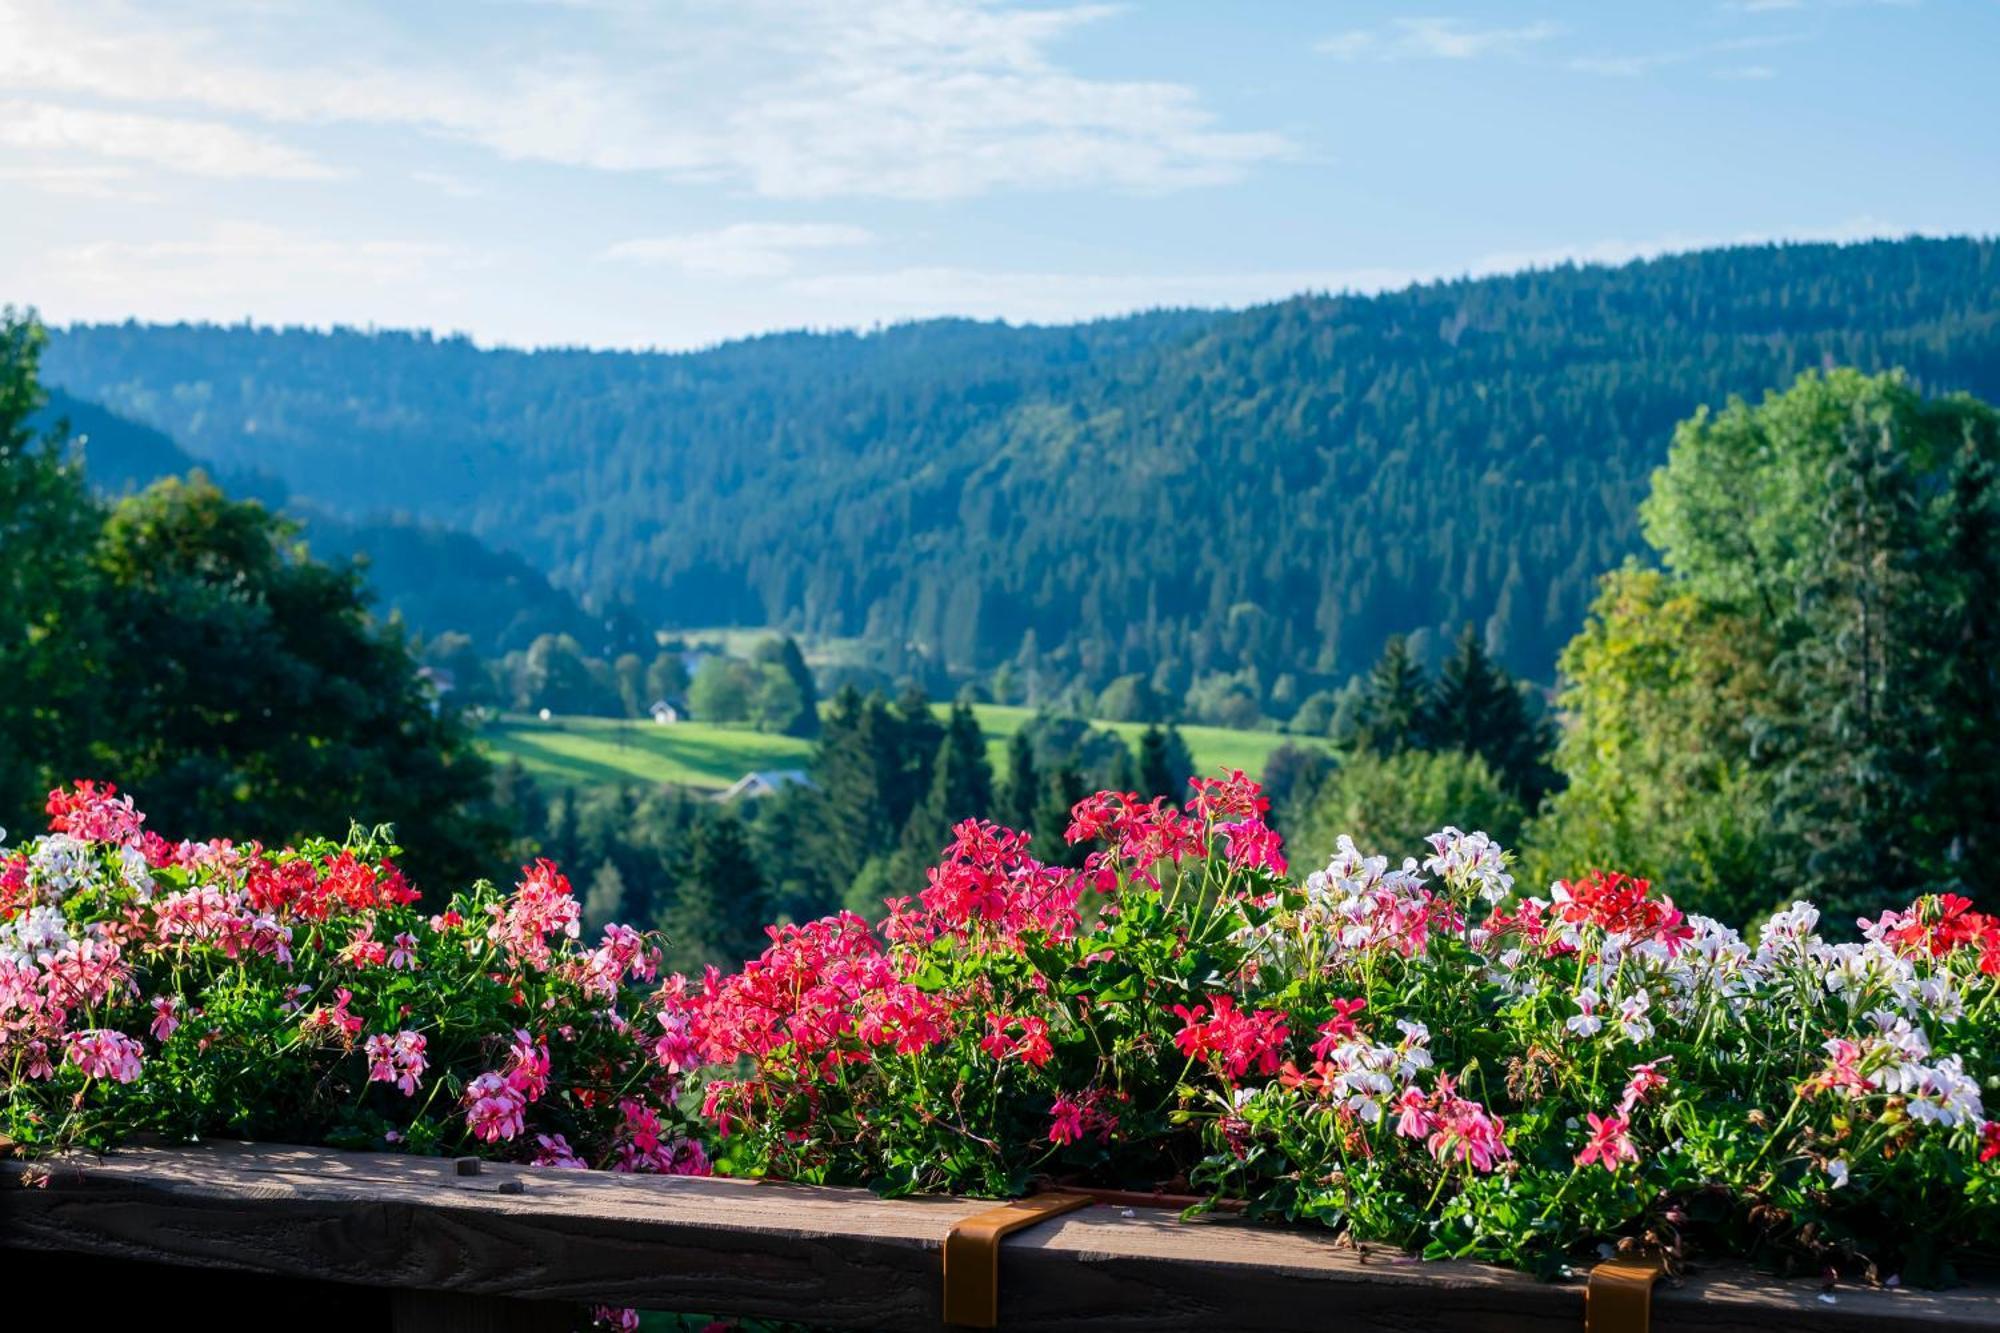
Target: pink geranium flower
1610	1143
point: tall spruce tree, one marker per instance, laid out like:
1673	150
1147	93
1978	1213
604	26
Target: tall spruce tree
722	906
1969	662
604	901
1478	708
961	789
849	822
1021	794
1165	763
914	735
1395	702
1858	775
1062	788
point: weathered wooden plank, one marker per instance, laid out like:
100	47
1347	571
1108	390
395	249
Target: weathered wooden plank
836	1257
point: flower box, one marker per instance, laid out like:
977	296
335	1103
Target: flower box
404	1225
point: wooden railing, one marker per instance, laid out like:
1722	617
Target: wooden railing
413	1244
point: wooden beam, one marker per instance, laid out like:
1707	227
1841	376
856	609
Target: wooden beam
839	1258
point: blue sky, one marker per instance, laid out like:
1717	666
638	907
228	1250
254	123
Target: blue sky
632	173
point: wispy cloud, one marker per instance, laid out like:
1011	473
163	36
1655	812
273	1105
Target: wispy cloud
1434	39
1626	66
194	147
1633	66
1746	73
86	182
241	255
744	250
446	183
915	98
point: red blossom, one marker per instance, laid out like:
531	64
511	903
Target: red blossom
1939	925
95	813
1071	1118
988	887
1031	1047
1233	796
1619	904
1238	1041
1338	1028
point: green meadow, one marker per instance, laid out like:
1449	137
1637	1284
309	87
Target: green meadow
587	751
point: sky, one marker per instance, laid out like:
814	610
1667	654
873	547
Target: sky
639	173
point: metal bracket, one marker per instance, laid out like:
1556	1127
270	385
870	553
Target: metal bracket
972	1255
1619	1298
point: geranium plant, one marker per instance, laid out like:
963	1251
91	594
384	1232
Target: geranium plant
190	989
1412	1053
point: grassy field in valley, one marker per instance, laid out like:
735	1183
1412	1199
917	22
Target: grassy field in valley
587	751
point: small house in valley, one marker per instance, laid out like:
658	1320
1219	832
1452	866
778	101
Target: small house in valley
766	782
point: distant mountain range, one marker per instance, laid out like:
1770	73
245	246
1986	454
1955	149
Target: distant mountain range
1269	491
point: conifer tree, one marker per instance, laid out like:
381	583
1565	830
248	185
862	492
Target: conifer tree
913	735
1021	794
1478	708
961	789
1968	655
1061	790
1395	702
1858	774
722	905
1165	764
605	900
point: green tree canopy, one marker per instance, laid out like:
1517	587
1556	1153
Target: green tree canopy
1787	708
182	645
245	687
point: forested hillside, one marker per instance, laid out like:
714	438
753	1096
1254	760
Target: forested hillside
433	577
1181	494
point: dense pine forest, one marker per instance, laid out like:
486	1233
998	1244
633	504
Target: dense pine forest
1253	499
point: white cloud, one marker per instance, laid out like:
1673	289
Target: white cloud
1633	66
1626	67
194	147
85	182
908	98
446	183
744	250
238	262
1434	39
